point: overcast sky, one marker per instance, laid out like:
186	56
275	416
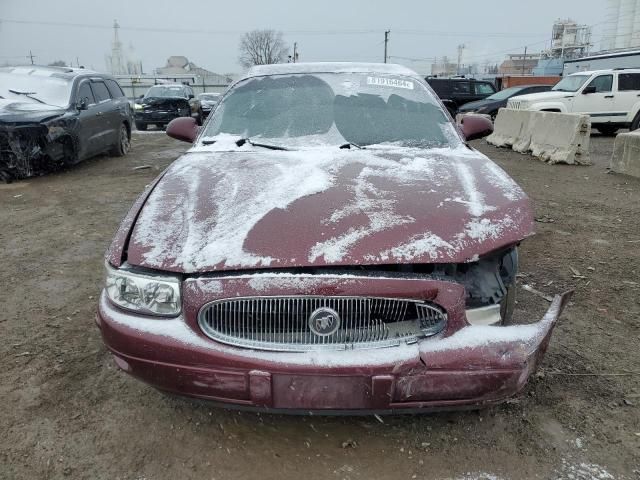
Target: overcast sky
326	30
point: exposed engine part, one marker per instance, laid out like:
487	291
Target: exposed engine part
33	149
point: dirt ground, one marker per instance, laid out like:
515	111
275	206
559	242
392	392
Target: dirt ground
67	412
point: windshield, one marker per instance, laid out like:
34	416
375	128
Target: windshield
333	109
209	97
571	83
163	91
35	89
506	93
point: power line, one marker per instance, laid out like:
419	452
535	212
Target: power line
289	32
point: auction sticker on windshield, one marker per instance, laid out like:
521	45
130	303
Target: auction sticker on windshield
390	82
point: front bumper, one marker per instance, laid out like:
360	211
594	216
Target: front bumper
471	367
157	117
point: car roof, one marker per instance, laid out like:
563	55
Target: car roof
330	67
45	71
607	70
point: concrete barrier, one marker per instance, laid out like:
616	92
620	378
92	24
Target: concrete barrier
626	154
550	136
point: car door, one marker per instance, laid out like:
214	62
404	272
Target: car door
88	120
627	95
108	116
596	99
461	92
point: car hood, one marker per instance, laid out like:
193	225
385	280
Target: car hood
542	96
253	208
16	111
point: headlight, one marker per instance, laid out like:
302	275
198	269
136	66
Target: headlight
151	294
137	106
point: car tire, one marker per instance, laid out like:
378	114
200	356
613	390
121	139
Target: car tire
121	148
141	126
607	130
635	125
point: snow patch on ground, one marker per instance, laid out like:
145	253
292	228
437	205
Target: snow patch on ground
583	471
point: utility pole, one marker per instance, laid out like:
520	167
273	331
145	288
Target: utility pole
460	50
524	59
295	52
386	44
31	56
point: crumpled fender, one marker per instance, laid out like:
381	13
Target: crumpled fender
495	347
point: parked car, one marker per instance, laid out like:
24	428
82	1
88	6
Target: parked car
493	103
455	92
610	97
208	102
331	242
53	116
163	103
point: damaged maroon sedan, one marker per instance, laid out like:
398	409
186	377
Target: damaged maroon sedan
330	243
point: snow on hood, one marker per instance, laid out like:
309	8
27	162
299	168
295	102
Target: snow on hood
18	111
239	208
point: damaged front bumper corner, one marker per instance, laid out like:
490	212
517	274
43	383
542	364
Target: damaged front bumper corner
474	367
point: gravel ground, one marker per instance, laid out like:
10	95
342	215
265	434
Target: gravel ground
69	413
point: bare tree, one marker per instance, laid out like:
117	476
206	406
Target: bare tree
58	63
262	47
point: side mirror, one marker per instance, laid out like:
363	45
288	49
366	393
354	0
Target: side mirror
191	95
589	89
184	129
81	104
476	126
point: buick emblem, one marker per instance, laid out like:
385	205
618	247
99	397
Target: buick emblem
324	321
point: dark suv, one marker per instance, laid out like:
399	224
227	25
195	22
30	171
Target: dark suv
56	116
455	92
163	103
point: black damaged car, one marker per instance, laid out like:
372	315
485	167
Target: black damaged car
163	103
51	117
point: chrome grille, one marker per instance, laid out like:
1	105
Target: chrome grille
514	104
282	323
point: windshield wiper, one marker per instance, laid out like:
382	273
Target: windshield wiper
27	94
348	145
242	141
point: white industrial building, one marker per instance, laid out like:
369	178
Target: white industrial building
622	27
